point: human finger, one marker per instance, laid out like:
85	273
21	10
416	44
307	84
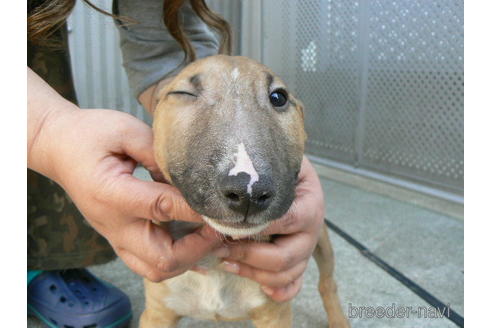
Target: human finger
284	294
154	245
281	254
150	200
264	277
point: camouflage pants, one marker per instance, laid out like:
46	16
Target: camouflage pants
58	235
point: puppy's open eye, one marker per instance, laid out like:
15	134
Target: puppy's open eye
180	92
278	98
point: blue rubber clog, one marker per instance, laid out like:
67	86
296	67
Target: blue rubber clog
76	299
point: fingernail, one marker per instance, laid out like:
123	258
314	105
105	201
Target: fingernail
156	175
222	252
230	267
267	290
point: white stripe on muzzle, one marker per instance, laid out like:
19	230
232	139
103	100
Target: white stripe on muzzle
245	165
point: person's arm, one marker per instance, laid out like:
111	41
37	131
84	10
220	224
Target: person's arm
44	105
92	155
150	54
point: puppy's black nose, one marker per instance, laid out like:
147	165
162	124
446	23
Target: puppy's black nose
244	200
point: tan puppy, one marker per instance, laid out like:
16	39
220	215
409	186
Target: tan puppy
231	137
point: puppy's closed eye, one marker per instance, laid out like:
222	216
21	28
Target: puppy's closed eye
182	93
194	84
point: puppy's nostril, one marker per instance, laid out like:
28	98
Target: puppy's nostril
232	196
263	198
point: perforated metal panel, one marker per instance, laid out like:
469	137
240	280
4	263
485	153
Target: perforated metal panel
382	81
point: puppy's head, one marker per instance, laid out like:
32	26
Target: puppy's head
230	137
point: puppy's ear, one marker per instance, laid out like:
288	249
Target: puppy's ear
160	91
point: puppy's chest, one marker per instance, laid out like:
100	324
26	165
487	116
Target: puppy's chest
216	295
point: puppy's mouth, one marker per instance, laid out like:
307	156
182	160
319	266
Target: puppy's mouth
236	230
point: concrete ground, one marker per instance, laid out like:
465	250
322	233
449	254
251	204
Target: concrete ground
420	236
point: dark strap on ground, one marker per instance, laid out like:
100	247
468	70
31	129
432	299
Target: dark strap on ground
414	287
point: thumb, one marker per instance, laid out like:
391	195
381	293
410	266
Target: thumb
151	200
143	199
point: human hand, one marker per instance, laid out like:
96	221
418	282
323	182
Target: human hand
92	155
279	266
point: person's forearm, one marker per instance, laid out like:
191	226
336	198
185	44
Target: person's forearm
44	107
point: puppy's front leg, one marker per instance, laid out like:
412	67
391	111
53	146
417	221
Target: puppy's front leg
272	315
156	314
323	254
